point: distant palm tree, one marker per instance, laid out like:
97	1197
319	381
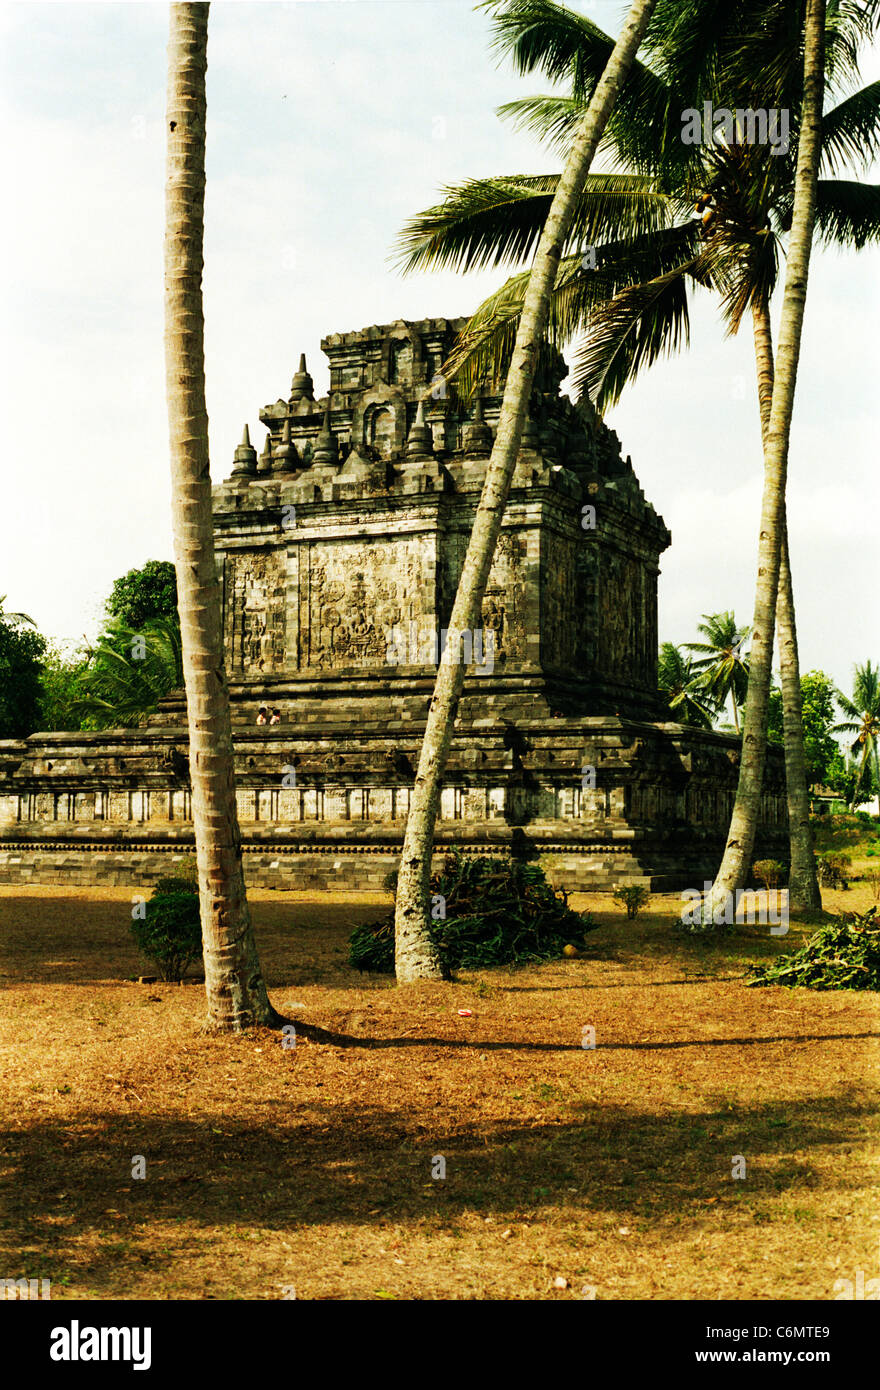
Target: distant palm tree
14	617
678	683
723	667
129	671
863	721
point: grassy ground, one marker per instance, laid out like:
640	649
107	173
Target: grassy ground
569	1172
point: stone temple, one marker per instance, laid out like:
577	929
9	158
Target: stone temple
340	549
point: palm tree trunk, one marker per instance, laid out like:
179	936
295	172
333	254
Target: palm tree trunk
414	954
233	980
736	861
803	883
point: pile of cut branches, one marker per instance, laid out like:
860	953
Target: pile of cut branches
485	912
845	954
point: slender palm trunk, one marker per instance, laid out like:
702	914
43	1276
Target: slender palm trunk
414	953
736	861
803	889
233	980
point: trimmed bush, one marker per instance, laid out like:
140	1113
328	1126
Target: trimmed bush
845	954
497	912
833	869
169	934
174	885
770	872
634	896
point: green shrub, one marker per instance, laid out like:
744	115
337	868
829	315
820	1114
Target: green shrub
770	872
174	885
845	954
169	934
497	912
634	896
833	869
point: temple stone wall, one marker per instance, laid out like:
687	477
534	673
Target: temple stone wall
339	549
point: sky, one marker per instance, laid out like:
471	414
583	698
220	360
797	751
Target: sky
330	122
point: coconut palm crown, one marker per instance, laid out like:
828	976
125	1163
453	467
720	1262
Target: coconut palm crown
670	217
862	722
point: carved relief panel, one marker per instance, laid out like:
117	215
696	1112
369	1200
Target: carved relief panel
354	597
256	612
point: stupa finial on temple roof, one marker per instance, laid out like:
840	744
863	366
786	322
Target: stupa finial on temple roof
285	458
302	388
265	463
420	441
326	449
245	458
477	434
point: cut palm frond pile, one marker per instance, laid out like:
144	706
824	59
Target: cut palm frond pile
485	912
845	954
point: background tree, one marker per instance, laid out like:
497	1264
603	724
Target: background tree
61	674
680	686
862	724
127	673
234	982
143	594
820	746
722	668
415	956
21	653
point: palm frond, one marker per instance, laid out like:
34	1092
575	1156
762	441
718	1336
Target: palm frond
490	222
485	348
851	130
641	324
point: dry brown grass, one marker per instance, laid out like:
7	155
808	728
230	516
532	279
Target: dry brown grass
269	1169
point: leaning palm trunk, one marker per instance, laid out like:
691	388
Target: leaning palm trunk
803	891
415	956
736	861
233	980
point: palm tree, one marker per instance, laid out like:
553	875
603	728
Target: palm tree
415	957
723	667
737	857
234	983
678	683
128	672
631	301
863	723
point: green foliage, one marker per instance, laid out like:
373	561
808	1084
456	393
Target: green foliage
833	869
630	305
820	746
679	684
862	725
173	886
770	872
498	912
129	671
845	954
634	896
140	596
721	666
170	933
21	652
60	690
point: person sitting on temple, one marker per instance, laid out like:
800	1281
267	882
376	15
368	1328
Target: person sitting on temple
261	717
276	717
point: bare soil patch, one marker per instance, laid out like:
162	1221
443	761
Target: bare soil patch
310	1169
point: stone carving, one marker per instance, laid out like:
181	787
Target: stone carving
257	636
